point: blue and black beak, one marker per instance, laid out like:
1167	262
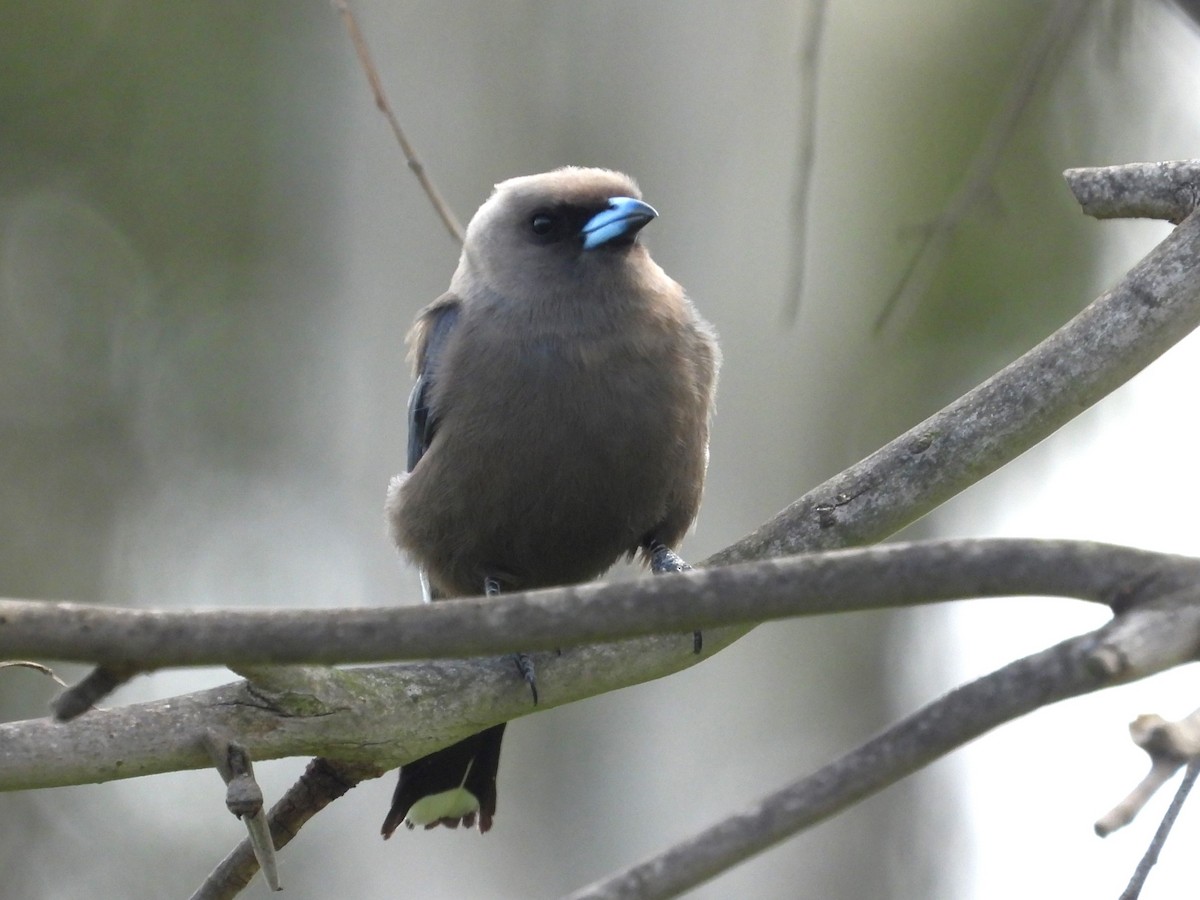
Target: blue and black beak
625	217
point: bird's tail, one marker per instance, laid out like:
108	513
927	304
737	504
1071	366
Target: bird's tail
456	785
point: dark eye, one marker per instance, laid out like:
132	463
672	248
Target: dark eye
542	224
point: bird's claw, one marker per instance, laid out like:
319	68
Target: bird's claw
664	560
525	667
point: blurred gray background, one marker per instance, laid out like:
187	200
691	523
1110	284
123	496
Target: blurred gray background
210	251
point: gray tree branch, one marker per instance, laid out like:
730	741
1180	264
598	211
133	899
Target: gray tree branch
1112	339
741	594
363	714
1170	745
1161	190
385	716
1128	648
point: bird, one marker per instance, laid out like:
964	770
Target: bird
559	422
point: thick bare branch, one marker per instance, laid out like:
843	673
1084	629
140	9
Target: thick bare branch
1076	666
382	716
390	715
1161	190
863	578
1170	746
1114	338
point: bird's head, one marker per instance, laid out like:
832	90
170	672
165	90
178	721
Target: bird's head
556	229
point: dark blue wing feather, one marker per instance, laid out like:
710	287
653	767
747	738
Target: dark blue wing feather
422	418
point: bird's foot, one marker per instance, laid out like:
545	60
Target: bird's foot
491	587
664	560
525	667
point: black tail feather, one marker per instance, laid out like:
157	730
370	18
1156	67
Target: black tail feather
471	763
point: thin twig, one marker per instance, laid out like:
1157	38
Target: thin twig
1150	858
813	32
1069	669
244	798
322	782
1170	745
36	666
410	154
1062	23
1161	771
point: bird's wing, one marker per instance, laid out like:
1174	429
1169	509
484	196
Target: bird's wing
428	340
